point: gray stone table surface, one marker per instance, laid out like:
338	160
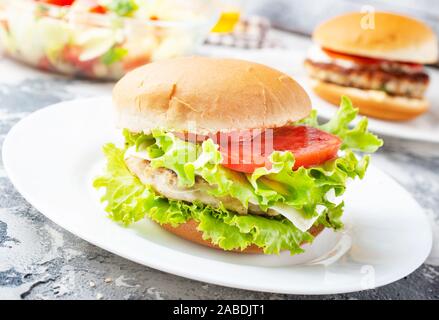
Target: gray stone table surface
40	260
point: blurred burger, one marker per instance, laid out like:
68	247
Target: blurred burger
377	61
228	154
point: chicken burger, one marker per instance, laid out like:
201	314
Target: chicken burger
228	154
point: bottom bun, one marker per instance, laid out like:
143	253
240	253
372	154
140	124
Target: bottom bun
372	103
189	232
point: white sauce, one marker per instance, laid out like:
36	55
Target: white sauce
296	217
316	54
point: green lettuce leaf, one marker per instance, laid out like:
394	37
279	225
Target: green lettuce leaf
228	230
189	160
113	55
129	200
357	138
123	8
304	189
332	218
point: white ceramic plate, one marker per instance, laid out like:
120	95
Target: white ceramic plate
423	128
52	156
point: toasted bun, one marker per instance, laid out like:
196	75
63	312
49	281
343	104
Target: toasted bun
372	103
204	95
379	35
189	232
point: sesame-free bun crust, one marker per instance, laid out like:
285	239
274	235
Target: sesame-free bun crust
189	232
202	95
372	103
390	36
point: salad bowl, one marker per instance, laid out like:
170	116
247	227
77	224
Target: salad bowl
97	39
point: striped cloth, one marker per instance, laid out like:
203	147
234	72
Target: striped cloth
249	33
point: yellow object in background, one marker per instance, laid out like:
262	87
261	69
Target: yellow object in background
227	22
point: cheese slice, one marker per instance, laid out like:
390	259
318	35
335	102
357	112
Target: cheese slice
331	197
296	217
131	152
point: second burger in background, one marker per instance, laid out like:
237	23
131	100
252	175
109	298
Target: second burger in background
377	62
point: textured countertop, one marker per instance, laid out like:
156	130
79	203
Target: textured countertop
39	260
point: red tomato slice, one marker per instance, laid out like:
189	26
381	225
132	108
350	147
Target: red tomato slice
44	64
310	147
365	60
71	55
356	59
58	2
98	9
245	151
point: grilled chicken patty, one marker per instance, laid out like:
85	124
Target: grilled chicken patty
165	182
393	81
